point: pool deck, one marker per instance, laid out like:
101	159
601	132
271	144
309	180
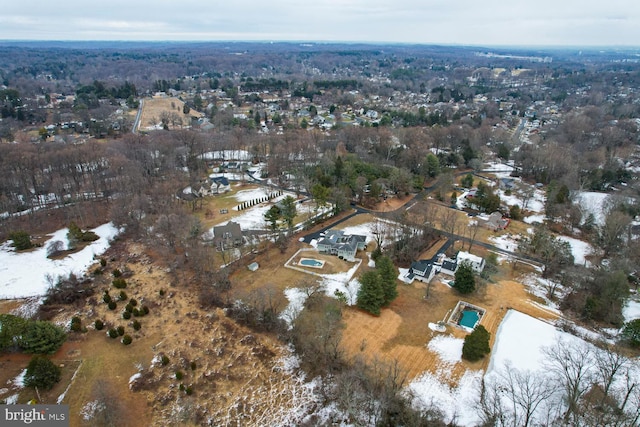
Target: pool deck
455	319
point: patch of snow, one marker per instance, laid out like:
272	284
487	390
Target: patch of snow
457	403
28	308
19	380
631	310
297	298
11	400
531	219
64	393
437	327
594	203
447	347
134	377
91	409
256	193
539	287
505	242
25	274
371	262
344	283
579	249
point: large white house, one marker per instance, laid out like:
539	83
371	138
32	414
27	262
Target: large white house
476	262
342	245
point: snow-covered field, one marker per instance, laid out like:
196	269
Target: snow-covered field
252	218
520	347
25	274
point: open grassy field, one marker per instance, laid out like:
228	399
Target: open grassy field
154	108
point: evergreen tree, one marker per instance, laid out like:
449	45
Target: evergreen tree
41	372
432	166
289	211
465	281
42	338
631	332
388	275
272	216
21	240
12	328
476	344
371	293
467	181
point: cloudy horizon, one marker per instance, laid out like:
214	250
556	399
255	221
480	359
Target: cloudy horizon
545	23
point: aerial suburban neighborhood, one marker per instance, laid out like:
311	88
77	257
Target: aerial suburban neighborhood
286	234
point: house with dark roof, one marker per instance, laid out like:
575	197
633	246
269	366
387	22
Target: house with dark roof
506	183
344	246
422	270
227	236
449	266
219	185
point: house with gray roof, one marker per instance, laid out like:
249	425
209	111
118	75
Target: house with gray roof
227	236
344	246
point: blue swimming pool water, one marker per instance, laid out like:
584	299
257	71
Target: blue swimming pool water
311	262
469	319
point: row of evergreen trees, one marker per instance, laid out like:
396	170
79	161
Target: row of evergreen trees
250	203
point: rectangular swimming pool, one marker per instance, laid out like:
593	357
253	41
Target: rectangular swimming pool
469	319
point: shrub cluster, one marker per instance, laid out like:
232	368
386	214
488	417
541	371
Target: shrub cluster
126	340
119	283
21	240
76	234
98	324
76	324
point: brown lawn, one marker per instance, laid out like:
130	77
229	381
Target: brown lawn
392	203
401	332
153	108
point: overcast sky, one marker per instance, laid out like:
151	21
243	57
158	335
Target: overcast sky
468	22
